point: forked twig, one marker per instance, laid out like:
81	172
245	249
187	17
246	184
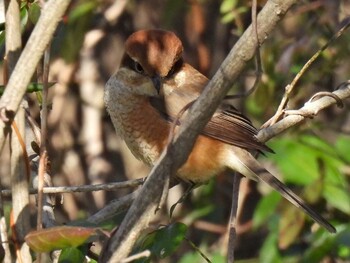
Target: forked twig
290	87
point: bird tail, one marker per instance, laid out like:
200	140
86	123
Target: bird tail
251	168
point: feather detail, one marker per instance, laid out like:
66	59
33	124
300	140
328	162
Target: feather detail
230	126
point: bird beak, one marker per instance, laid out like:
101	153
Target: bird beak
157	82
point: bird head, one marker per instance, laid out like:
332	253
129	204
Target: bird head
150	57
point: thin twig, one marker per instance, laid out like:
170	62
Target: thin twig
113	208
340	103
10	101
290	87
23	148
198	250
176	121
143	254
258	66
43	151
113	13
310	109
84	188
19	159
233	218
237	178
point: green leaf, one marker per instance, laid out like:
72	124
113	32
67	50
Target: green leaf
290	225
60	237
218	258
313	192
79	22
265	208
227	6
344	252
321	247
71	255
2	38
34	12
342	146
298	159
24	17
227	18
164	241
32	87
191	257
269	252
318	144
338	196
296	162
343	236
84	8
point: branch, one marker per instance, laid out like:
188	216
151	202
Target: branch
83	188
310	109
27	63
290	87
114	208
143	208
18	154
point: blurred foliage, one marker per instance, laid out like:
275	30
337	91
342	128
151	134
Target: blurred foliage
230	10
162	242
78	22
72	255
310	162
314	158
32	87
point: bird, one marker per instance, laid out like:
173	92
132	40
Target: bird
145	98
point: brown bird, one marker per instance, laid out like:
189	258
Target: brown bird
144	97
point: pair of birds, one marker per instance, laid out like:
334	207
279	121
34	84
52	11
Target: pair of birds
144	97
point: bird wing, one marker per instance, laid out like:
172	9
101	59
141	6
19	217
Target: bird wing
232	127
227	125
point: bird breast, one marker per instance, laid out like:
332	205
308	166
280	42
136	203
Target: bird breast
136	121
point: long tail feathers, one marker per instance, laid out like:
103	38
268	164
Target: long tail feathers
252	169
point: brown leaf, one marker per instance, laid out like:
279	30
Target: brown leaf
59	237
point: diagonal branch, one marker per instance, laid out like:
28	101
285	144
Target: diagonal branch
143	208
26	65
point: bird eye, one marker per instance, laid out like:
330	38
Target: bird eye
138	67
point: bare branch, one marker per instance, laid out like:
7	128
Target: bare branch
237	177
42	170
19	157
143	254
84	188
114	208
309	110
233	218
290	87
36	45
